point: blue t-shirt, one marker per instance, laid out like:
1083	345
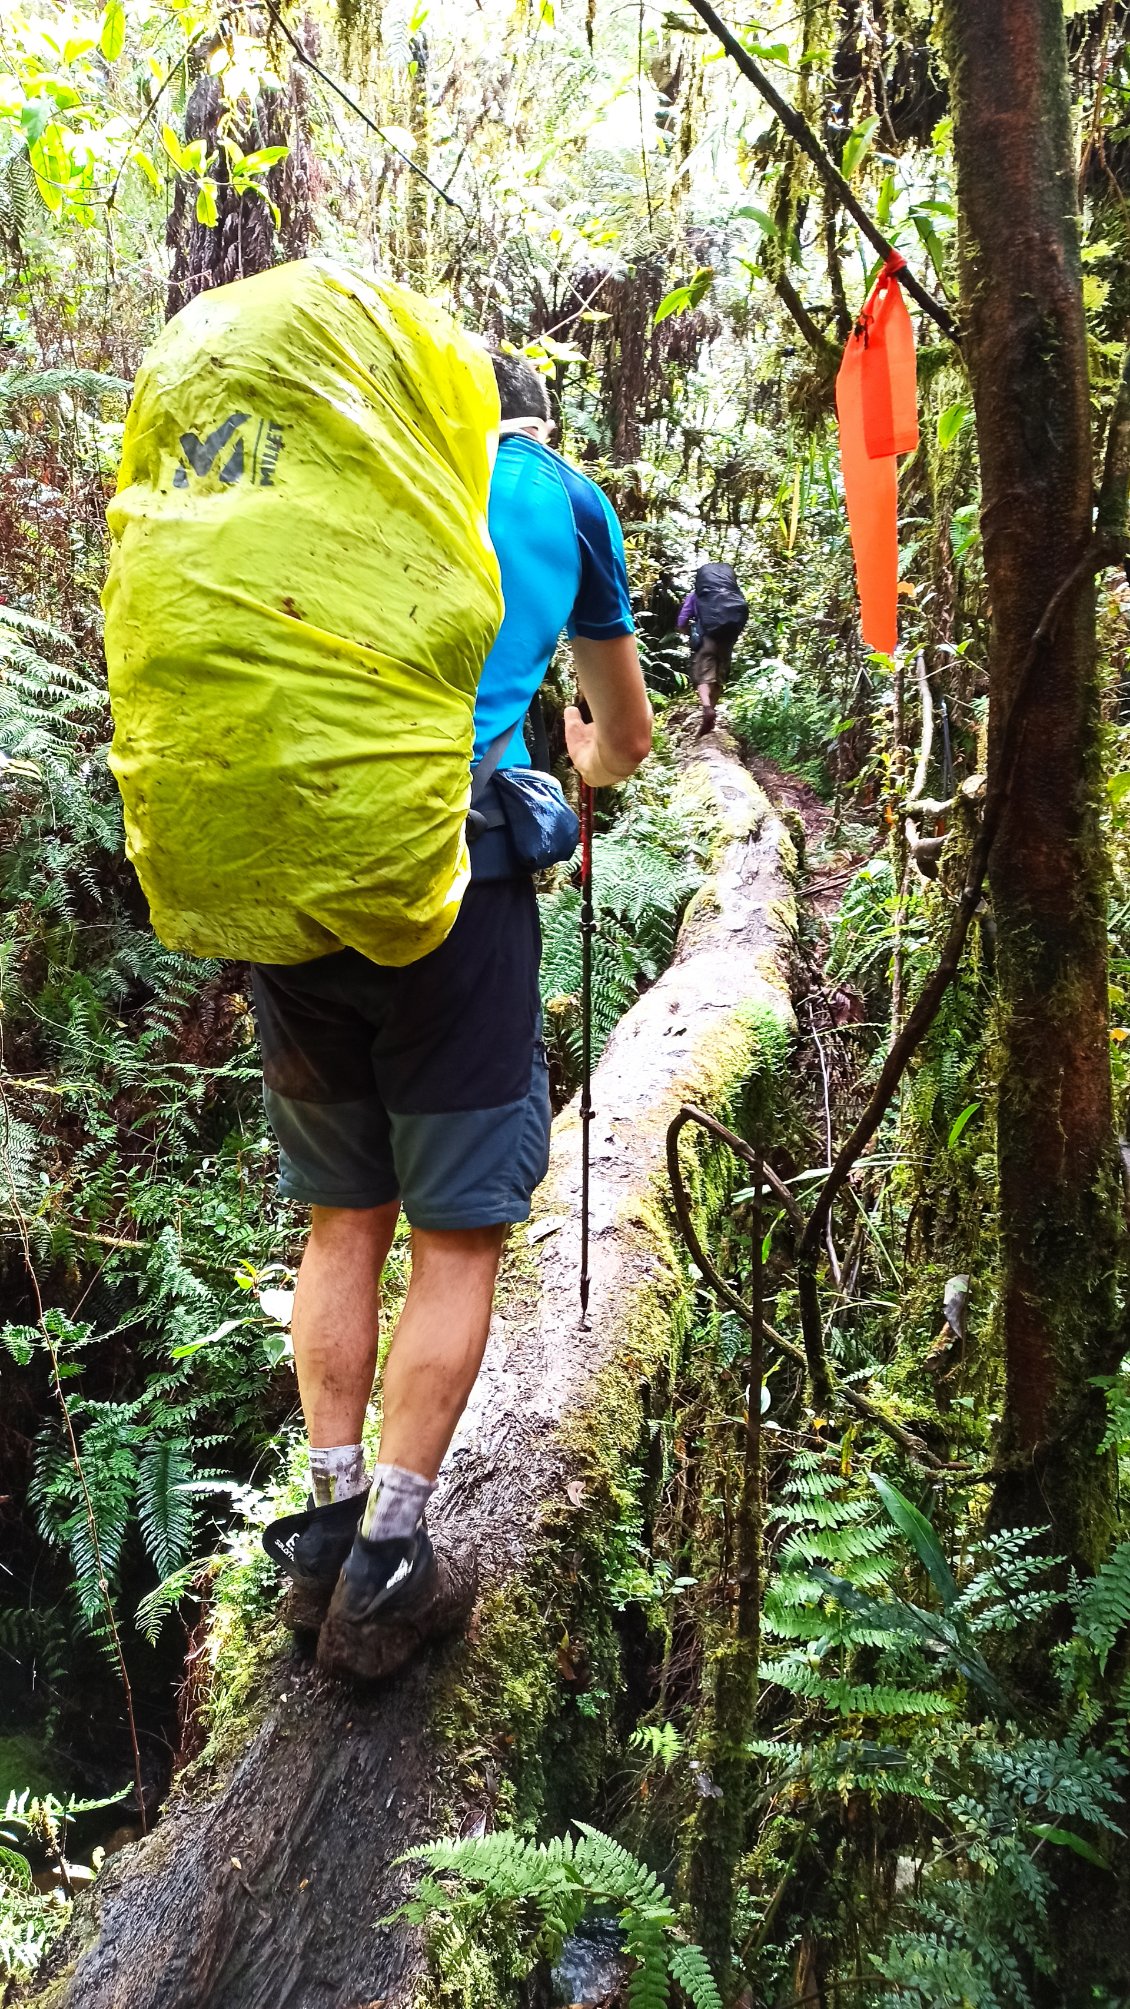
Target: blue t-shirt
561	553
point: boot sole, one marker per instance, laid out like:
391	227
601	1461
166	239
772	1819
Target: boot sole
305	1604
373	1649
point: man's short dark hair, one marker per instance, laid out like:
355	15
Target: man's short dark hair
522	393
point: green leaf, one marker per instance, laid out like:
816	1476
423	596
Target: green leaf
20	1341
959	1123
929	236
1064	1839
682	297
765	52
858	146
951	422
921	1537
51	166
112	36
674	302
145	162
263	157
194	1345
759	216
172	146
206	211
35	117
1118	788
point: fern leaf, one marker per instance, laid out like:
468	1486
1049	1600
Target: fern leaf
1104	1608
74	383
690	1970
165	1508
650	1983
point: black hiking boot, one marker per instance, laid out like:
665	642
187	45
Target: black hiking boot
391	1598
311	1548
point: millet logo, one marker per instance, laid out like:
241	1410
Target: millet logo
255	456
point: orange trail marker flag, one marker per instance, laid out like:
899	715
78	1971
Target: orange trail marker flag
877	407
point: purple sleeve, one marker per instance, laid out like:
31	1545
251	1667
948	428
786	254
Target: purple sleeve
686	612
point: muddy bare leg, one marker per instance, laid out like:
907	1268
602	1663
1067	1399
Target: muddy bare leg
395	1592
336	1317
439	1343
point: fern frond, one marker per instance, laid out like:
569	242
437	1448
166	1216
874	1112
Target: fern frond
164	1507
1104	1608
73	383
611	1871
797	1676
650	1983
689	1968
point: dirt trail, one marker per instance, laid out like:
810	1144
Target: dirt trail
261	1889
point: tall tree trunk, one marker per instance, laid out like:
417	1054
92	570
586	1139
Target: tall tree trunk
1026	350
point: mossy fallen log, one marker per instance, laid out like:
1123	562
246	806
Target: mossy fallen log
266	1881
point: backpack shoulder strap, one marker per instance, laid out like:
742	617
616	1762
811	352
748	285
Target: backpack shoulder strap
486	766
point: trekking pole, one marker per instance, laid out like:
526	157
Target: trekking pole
586	807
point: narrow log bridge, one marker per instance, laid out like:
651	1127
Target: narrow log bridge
264	1884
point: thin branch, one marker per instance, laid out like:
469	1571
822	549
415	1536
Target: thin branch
1110	522
359	112
799	130
927	743
746	1151
827	1090
849	1397
821	344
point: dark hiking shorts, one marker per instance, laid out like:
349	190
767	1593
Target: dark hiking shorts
712	660
426	1083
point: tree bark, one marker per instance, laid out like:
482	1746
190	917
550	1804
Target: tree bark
1026	352
265	1881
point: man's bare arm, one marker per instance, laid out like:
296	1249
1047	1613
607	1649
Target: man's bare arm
619	738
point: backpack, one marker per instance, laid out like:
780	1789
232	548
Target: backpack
720	604
301	596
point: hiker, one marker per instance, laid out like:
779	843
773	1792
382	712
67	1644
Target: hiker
426	1088
301	597
715	611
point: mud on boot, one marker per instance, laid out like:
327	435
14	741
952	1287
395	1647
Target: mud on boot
310	1548
392	1598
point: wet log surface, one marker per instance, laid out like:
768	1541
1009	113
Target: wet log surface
264	1888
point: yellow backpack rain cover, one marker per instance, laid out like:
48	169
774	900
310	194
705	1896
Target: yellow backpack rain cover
301	595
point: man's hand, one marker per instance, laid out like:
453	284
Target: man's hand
619	738
585	753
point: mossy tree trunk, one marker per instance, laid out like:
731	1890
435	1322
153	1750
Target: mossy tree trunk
1026	351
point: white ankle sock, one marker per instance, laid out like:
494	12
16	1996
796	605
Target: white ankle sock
337	1472
396	1502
